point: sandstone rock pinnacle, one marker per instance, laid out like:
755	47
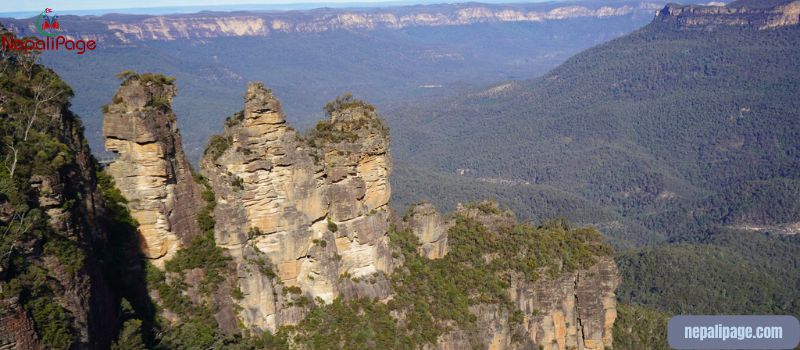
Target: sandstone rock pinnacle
151	170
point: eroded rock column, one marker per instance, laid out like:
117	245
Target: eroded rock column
151	170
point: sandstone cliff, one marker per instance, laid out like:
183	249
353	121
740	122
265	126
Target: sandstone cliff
314	208
16	328
151	170
737	14
572	311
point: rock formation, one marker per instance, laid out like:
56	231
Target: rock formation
151	170
305	219
573	311
315	208
16	327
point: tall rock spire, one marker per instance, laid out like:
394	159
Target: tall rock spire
152	171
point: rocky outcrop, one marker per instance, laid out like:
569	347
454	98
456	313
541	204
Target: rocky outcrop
736	14
126	30
430	228
314	209
151	170
574	310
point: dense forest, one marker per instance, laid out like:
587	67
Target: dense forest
731	273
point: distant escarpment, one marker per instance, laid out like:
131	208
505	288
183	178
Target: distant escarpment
315	208
772	15
151	170
125	30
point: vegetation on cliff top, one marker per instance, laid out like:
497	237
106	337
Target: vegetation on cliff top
151	78
217	145
345	129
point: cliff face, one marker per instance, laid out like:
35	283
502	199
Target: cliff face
152	171
572	310
736	14
52	290
130	30
314	209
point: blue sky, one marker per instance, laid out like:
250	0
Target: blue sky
67	5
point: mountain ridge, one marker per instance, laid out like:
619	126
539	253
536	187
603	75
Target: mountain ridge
383	65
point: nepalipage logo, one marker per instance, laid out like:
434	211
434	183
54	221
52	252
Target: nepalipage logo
47	23
48	26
